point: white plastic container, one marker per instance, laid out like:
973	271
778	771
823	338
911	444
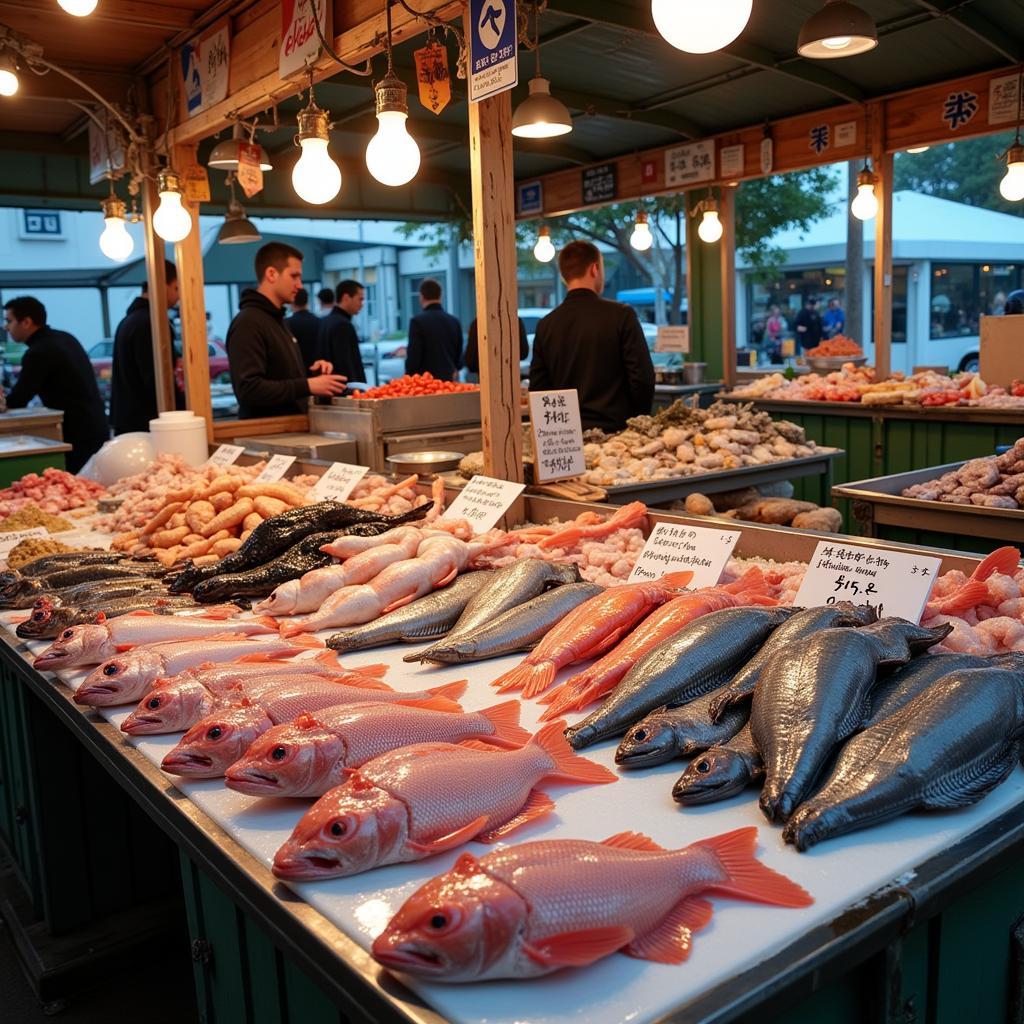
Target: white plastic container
180	433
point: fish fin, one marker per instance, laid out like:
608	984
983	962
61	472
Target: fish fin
481	745
224	612
752	579
433	704
578	949
971	594
746	877
331	658
568	765
1003	560
761	600
121	648
507	730
467	864
450	841
306	720
307	642
968	786
400	603
632	841
670	941
269	622
567	538
453	691
677	581
256	658
538	805
526	676
362	682
377	671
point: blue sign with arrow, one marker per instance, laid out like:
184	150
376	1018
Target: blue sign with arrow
493	48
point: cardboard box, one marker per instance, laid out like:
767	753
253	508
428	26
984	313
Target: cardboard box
1002	349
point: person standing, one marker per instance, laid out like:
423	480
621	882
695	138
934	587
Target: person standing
435	337
808	325
133	397
834	320
56	368
338	341
306	327
593	345
268	374
326	299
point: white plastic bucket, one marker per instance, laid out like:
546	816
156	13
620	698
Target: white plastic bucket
181	433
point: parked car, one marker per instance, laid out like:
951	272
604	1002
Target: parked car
101	355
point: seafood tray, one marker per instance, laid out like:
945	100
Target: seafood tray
945	413
659	492
421	412
879	502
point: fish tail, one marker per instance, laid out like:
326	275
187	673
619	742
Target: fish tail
747	877
536	679
1003	560
330	658
971	594
514	678
568	765
567	538
752	579
507	730
433	704
575	697
676	581
293	628
268	622
308	642
453	691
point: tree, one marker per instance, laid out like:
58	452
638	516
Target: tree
964	172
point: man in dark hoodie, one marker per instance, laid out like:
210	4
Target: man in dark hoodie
338	340
267	370
133	401
305	326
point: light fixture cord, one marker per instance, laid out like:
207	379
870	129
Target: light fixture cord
366	71
536	37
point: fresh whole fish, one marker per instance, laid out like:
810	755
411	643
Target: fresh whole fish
806	622
96	594
527	910
947	748
701	657
126	677
424	619
594	682
69	583
591	629
683	731
720	772
518	629
817	692
417	801
275	535
47	564
509	588
313	754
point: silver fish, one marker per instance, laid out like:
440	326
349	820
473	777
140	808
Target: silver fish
518	629
720	772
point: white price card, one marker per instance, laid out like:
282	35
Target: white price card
225	455
9	540
557	435
276	467
483	501
893	583
672	339
672	548
339	481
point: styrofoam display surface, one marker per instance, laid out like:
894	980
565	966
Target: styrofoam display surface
838	873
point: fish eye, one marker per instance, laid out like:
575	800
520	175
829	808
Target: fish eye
703	766
110	670
278	754
338	828
640	734
215	733
153	703
67	634
438	921
38	616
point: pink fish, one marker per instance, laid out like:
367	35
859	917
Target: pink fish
285	702
528	910
417	801
315	752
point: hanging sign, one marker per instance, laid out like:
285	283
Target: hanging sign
106	151
672	548
225	455
672	339
276	467
493	48
767	155
339	481
1004	99
10	540
731	160
530	198
196	184
891	582
204	69
433	76
249	173
600	184
686	165
846	134
483	501
557	435
300	44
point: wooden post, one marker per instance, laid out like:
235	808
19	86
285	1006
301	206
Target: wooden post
188	255
881	333
163	356
727	255
494	252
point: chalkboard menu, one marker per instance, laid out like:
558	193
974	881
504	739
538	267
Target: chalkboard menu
599	184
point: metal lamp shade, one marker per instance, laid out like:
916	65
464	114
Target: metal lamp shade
237	229
540	115
839	29
225	154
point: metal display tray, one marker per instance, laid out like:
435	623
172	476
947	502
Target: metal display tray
423	412
16	446
929	414
879	502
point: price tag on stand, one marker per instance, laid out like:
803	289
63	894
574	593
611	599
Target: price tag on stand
225	455
672	339
276	467
339	481
483	501
672	548
8	541
557	435
893	583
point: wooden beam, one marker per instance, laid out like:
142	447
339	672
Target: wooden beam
160	328
881	333
976	24
121	12
727	256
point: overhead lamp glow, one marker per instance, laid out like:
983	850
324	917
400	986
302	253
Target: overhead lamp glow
79	8
172	222
8	75
710	228
225	154
641	239
700	26
316	178
839	29
865	202
1011	188
540	115
544	250
392	155
919	149
115	242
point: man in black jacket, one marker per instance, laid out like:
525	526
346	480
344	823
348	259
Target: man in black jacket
471	357
306	327
435	337
593	345
338	341
133	401
267	371
56	368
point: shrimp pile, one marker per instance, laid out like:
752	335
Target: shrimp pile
378	494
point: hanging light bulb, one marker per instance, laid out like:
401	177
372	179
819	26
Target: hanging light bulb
540	115
710	228
839	29
1011	188
79	8
641	239
392	155
172	222
700	26
865	202
115	242
544	250
8	74
316	178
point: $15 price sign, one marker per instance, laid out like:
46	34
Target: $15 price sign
557	435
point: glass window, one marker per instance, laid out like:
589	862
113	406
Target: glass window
962	293
900	275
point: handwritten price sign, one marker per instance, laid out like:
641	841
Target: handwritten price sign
557	435
483	501
675	548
